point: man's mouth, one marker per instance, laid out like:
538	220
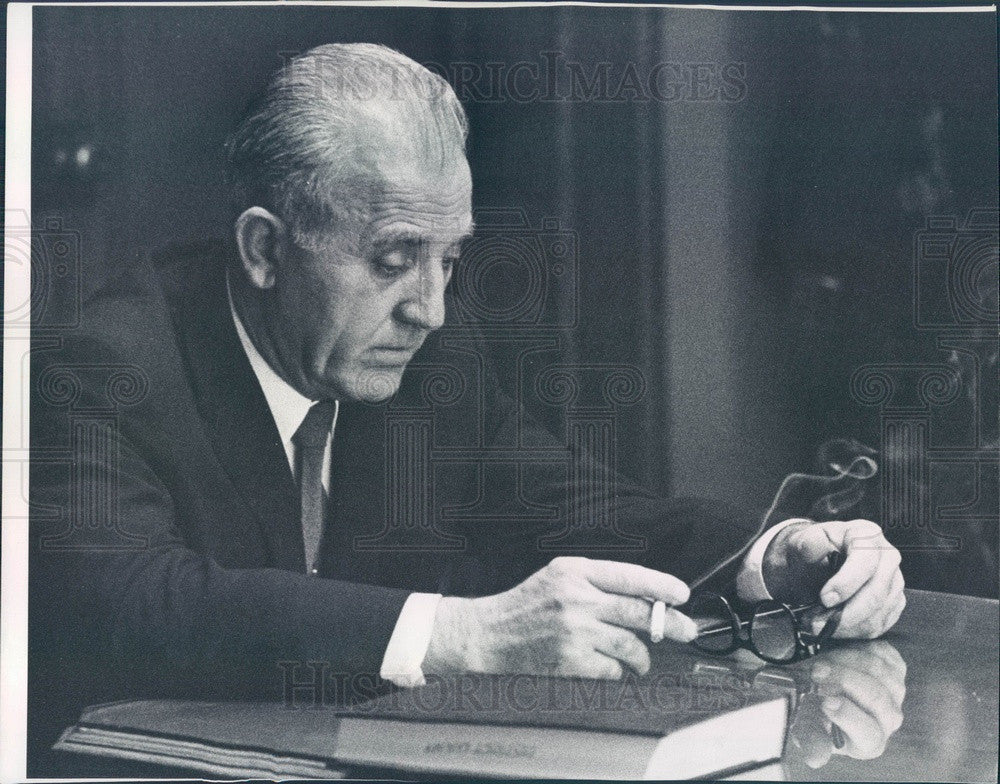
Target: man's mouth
393	355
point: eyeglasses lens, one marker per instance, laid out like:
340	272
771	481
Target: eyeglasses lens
773	632
715	626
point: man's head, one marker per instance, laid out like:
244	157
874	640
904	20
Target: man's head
354	196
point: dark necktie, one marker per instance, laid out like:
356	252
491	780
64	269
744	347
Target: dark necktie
310	444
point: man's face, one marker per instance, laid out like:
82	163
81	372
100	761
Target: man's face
352	309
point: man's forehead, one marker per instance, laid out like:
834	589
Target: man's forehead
419	229
418	206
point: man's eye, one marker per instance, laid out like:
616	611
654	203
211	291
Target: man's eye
391	270
391	267
395	265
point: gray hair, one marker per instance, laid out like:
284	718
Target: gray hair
329	117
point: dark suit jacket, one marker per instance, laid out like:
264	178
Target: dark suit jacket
167	553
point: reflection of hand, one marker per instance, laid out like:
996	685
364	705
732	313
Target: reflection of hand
574	617
869	585
860	689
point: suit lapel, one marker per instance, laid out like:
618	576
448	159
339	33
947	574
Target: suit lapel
232	405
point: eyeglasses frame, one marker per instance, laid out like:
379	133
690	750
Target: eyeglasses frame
806	644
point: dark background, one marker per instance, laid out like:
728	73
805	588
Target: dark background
748	247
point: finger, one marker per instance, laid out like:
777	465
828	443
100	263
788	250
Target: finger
817	748
595	665
894	601
865	611
631	613
866	738
624	646
808	732
679	627
625	611
634	580
865	546
863	661
887	652
812	542
817	620
896	587
893	616
868	693
819	753
858	659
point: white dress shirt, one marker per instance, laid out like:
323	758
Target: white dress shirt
412	633
750	580
411	636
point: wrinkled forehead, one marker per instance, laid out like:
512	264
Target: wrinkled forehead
406	195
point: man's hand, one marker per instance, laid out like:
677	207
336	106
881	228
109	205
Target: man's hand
861	690
575	617
869	583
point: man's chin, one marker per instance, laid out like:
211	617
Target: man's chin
374	385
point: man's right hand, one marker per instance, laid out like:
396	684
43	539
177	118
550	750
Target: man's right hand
574	617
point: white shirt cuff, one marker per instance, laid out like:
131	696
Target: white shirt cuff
750	581
404	655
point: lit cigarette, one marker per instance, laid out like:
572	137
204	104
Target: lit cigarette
657	621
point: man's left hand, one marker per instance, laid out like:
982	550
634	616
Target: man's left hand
869	584
860	687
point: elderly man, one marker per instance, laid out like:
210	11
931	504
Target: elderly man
244	476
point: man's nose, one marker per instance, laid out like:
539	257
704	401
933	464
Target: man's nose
423	307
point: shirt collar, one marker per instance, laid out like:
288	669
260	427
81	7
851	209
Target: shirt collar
288	406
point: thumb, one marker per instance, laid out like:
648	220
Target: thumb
812	543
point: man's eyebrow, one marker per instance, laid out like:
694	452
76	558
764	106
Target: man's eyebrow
395	237
466	235
411	237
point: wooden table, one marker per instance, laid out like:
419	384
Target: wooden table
938	667
949	732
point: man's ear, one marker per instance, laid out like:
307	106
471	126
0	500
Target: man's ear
262	239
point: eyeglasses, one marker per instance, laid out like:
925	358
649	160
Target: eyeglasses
803	692
774	631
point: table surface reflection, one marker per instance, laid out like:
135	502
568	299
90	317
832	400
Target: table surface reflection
938	667
937	671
